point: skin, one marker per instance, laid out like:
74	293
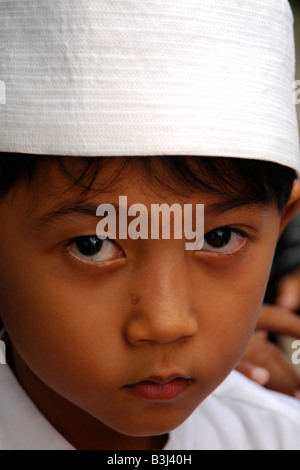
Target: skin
83	330
264	362
288	291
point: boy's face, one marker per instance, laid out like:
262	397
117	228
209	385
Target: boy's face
140	332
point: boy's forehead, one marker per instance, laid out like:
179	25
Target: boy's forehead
72	187
82	178
55	194
79	181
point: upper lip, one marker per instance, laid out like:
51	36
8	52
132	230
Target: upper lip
163	380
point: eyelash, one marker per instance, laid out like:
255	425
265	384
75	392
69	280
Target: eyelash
85	263
212	253
236	252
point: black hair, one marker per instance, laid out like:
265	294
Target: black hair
240	181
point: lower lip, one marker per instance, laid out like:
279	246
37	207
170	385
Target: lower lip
154	391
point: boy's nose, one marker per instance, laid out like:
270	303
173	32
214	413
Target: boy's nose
162	309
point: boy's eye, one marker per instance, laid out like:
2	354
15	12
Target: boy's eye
223	240
91	249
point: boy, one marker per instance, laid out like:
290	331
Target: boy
122	343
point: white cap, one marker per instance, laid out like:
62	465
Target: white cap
149	77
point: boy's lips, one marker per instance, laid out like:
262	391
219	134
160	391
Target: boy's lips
159	388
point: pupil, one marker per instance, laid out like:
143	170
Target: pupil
89	245
218	238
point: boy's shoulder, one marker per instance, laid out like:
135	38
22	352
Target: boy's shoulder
241	415
22	425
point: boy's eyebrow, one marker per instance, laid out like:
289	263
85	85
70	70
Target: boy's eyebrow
71	209
68	209
235	203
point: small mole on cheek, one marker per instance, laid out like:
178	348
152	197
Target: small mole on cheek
135	298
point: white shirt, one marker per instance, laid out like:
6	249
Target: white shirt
241	415
238	415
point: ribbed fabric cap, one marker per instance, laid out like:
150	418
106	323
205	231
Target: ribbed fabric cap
158	77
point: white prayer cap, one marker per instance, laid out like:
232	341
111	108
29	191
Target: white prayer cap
149	77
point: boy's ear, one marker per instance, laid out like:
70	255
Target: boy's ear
292	206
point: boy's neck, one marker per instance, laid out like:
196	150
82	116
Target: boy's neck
79	428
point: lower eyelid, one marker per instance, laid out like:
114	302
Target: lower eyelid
95	264
235	251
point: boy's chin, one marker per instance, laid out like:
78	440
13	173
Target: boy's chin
161	424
